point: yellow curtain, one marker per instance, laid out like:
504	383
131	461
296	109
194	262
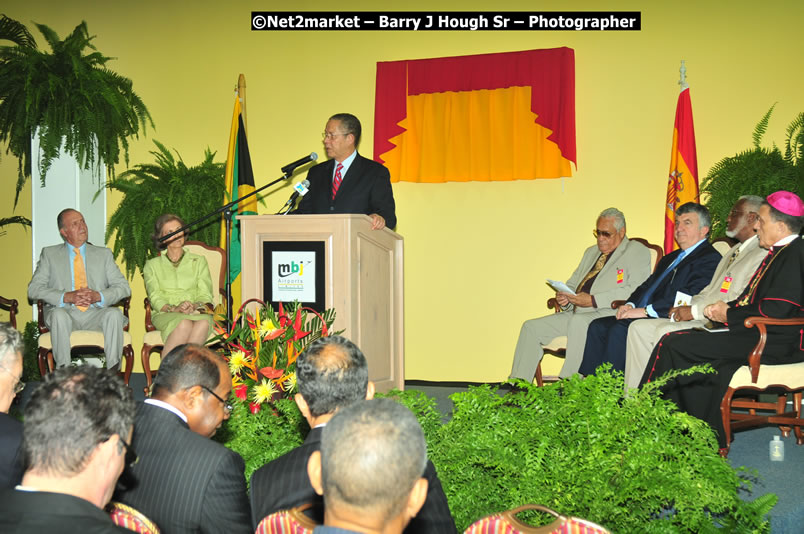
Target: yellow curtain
480	135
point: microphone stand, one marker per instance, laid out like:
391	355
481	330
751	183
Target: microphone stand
227	215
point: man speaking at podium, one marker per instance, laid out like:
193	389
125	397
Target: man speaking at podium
348	182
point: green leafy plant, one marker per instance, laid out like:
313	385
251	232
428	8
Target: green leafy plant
16	219
756	171
631	463
30	356
168	186
264	436
69	96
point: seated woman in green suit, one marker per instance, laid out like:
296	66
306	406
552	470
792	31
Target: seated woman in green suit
179	288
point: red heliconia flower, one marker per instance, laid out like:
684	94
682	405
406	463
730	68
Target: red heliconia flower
283	319
297	327
254	408
271	373
241	392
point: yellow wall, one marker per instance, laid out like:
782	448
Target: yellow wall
477	253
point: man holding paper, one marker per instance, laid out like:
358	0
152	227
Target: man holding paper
608	271
729	280
680	274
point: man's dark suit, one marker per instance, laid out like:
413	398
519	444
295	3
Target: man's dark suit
10	451
606	337
778	293
184	482
283	484
366	188
35	512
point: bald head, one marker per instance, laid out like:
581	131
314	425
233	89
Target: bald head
331	373
372	454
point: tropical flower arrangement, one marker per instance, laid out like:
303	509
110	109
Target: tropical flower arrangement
262	345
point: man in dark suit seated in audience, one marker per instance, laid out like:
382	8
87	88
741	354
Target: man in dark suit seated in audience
776	289
331	374
77	430
686	270
184	481
10	384
369	469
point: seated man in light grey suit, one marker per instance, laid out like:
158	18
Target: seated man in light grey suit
80	283
730	278
609	271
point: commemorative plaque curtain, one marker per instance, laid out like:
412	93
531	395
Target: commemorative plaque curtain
490	117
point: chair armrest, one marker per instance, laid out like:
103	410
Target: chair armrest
553	303
617	303
13	309
149	326
761	324
40	317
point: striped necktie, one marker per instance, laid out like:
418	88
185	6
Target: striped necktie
336	183
79	274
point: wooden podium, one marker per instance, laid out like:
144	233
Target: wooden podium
362	280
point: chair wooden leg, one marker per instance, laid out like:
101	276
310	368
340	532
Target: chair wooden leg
725	414
797	397
539	380
781	405
145	356
42	360
128	354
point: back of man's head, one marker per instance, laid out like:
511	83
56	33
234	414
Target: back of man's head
331	374
74	410
184	367
373	453
10	364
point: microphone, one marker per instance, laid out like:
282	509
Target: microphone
299	190
290	167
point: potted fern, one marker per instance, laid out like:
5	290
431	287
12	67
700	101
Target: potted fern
167	186
756	171
67	97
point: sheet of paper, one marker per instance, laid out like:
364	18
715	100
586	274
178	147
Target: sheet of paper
560	286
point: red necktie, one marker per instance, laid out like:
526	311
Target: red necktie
336	183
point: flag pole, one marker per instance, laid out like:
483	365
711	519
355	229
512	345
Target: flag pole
241	94
682	81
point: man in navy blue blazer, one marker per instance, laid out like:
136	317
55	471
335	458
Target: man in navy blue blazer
687	270
348	182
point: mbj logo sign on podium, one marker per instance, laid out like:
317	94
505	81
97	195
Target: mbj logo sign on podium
288	269
294	276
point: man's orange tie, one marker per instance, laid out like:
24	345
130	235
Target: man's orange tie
79	274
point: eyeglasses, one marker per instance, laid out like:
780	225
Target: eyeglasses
328	135
131	457
598	233
19	385
226	406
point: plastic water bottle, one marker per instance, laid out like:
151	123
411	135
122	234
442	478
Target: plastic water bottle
776	449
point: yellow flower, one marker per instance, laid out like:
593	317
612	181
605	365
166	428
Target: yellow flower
264	391
290	382
237	360
266	328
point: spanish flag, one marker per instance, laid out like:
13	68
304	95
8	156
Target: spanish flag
239	182
682	183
